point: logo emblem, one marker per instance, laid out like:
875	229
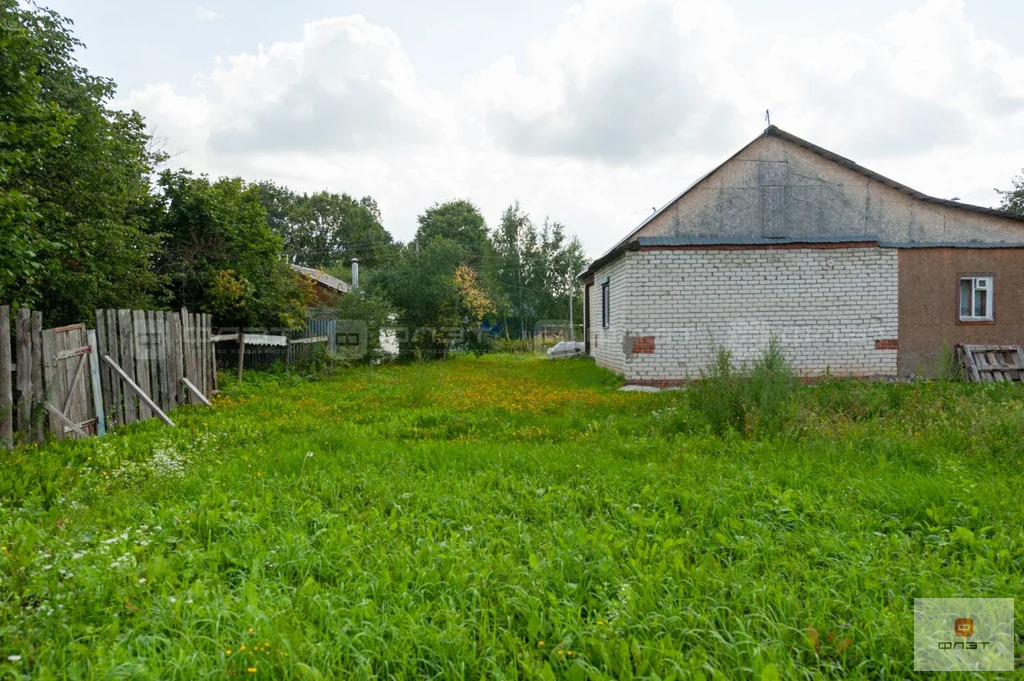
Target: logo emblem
963	626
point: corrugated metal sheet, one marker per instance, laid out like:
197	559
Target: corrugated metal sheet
321	327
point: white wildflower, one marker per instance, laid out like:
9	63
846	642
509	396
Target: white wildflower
14	658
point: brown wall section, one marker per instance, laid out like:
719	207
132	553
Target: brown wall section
929	290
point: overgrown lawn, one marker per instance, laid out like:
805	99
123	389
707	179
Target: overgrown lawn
507	517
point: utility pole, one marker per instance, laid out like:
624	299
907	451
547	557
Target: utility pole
572	328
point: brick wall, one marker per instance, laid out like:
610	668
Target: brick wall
606	344
671	310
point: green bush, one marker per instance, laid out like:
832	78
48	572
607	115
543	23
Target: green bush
756	401
515	346
947	366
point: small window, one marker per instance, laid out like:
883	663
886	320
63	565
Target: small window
975	299
606	305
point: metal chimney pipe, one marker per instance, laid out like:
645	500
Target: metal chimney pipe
355	272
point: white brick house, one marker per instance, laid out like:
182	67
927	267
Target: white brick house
786	239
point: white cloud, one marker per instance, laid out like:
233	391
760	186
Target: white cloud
206	14
617	109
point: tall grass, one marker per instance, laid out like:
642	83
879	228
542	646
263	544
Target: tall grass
756	401
508	518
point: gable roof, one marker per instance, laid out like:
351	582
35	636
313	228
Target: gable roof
322	278
775	131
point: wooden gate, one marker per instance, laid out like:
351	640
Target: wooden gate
69	375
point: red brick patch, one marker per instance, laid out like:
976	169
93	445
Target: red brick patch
887	344
643	345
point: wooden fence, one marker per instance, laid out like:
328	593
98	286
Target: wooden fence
76	382
264	349
166	356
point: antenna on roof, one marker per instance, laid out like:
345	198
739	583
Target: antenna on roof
768	117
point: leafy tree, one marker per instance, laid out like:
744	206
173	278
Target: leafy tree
29	127
74	187
458	221
323	229
474	301
220	256
373	309
1013	199
535	269
420	282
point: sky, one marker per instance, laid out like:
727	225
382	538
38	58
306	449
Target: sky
591	113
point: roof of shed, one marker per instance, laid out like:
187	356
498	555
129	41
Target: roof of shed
322	277
775	131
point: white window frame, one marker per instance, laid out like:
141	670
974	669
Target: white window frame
977	283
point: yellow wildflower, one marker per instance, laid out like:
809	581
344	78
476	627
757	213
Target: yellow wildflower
227	652
251	670
540	644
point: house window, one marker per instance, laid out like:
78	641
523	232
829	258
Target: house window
975	299
606	304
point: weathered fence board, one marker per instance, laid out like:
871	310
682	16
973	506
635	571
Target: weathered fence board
160	326
97	392
49	375
6	393
38	388
139	392
127	363
177	372
53	380
166	347
23	358
71	405
114	408
141	339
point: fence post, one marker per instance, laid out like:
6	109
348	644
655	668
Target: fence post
97	389
241	353
6	393
38	391
23	347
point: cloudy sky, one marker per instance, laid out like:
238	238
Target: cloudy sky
590	112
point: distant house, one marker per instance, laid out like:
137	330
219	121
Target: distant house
855	274
327	288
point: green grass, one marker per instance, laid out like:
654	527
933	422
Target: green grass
481	518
